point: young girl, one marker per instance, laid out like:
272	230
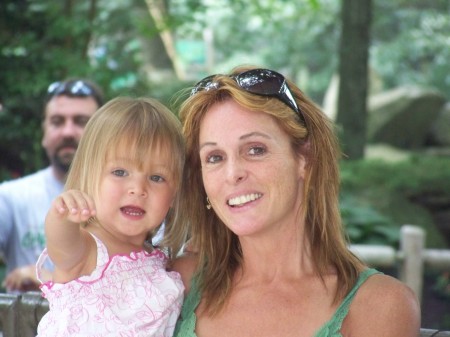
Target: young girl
123	183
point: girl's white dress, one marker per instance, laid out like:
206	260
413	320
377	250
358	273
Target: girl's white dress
126	295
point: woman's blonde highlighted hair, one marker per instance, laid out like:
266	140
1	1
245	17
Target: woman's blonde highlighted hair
218	248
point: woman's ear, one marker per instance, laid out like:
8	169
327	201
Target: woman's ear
302	163
302	160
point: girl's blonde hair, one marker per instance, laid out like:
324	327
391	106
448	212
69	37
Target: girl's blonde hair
140	125
219	249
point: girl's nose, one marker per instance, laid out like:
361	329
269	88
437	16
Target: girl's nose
139	189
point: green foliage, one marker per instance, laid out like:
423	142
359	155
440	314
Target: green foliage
396	191
442	285
411	44
298	37
409	39
364	225
43	41
420	174
113	42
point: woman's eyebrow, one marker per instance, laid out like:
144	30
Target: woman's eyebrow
207	144
255	133
247	135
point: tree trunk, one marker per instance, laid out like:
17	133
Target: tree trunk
157	10
353	73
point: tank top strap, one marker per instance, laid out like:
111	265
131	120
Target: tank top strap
335	323
102	261
39	264
194	296
187	320
102	251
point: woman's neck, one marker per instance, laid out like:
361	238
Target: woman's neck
282	254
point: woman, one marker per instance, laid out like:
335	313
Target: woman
270	255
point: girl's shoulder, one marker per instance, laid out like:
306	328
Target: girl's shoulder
383	306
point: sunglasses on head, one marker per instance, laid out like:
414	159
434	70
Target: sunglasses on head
76	88
263	82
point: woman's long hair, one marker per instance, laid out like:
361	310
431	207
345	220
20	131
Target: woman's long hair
218	248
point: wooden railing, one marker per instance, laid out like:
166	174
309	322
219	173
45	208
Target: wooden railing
411	259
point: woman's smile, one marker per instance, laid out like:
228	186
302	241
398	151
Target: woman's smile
243	199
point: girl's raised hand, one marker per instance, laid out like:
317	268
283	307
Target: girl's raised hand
75	206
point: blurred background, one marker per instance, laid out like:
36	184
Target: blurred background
379	68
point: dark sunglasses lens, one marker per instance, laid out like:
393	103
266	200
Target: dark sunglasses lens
257	81
267	82
261	81
205	84
52	88
81	88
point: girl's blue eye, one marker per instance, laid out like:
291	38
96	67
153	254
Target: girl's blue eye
120	173
157	178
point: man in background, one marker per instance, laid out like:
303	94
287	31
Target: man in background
24	202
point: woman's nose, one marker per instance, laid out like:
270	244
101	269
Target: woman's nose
236	170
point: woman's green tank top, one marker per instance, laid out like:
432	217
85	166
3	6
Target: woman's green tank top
187	321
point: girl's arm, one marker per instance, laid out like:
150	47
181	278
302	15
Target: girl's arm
68	245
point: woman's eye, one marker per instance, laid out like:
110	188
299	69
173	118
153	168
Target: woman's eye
257	150
157	178
214	158
120	173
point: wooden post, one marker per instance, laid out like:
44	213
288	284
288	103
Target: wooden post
411	270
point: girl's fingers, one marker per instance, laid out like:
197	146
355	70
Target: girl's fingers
76	204
60	205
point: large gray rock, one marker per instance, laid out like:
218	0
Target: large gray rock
440	129
402	117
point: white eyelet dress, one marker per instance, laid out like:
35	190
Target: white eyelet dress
126	295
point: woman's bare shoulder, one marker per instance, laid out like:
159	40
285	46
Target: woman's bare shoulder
186	265
384	306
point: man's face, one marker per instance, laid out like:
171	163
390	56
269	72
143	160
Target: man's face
65	119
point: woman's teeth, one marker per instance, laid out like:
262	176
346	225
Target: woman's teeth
243	199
